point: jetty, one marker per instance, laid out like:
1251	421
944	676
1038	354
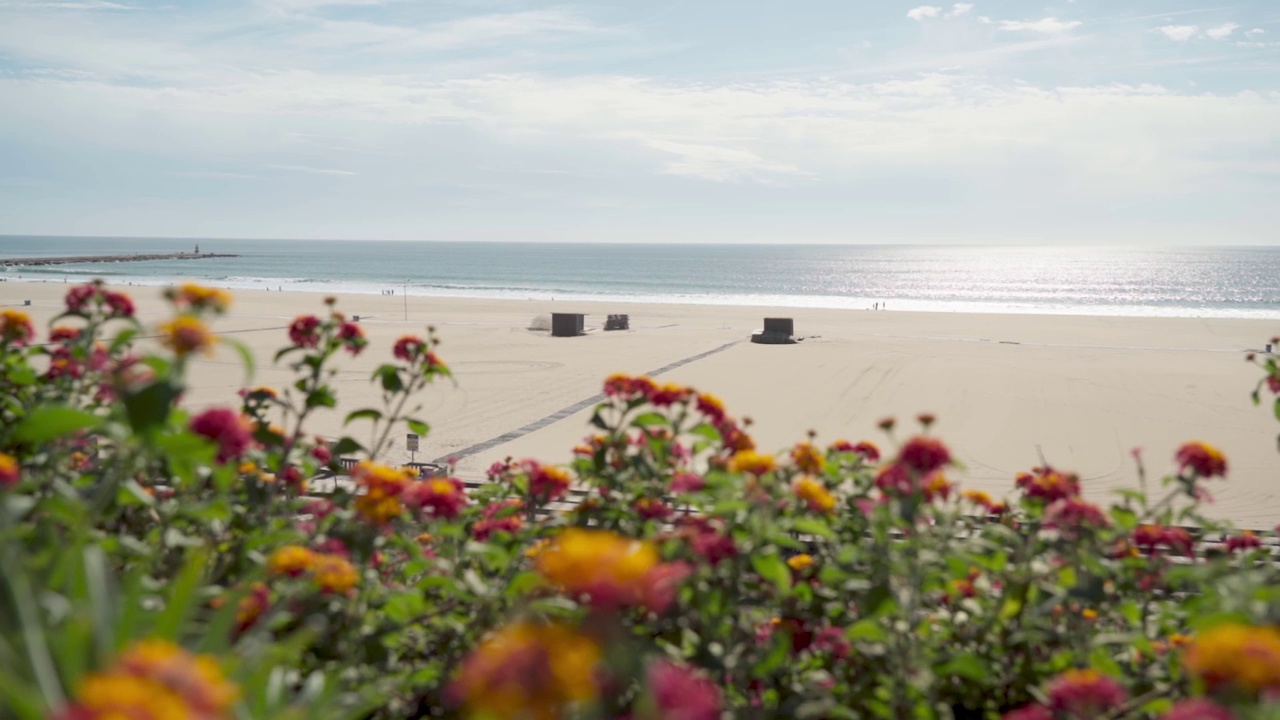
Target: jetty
135	257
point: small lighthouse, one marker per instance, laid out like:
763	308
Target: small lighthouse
197	248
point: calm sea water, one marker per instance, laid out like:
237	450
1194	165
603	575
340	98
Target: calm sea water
1194	282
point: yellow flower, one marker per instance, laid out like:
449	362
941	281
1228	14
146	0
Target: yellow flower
1241	655
292	560
334	574
186	334
199	296
813	493
529	671
16	326
537	548
807	457
378	507
800	562
604	565
750	461
1089	614
383	486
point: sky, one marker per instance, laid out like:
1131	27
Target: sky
814	121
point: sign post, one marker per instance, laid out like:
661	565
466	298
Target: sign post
411	443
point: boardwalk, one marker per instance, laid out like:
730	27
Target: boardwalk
137	257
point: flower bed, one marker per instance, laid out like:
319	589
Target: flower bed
161	563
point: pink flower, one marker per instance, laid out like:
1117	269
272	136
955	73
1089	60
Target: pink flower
662	583
832	640
681	693
924	454
322	454
303	331
1085	694
714	546
408	347
1198	709
79	297
687	482
1048	485
1072	514
352	337
228	428
545	482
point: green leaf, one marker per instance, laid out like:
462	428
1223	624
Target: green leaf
345	446
650	419
1124	517
813	526
868	630
418	426
968	666
390	377
52	421
774	569
150	406
182	597
246	356
405	607
365	414
322	397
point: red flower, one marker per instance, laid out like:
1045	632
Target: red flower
1273	384
868	451
441	497
322	454
1149	537
121	305
1048	485
1202	459
1198	709
709	542
228	428
1243	542
408	348
682	693
79	296
352	337
661	584
652	509
924	454
832	640
486	527
1085	694
303	331
546	483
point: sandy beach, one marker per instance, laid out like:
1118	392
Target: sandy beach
1078	391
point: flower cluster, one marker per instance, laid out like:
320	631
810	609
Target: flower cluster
529	670
331	572
15	327
1242	656
610	571
154	679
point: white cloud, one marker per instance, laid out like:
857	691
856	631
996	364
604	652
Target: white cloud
721	164
309	169
1180	33
924	11
1049	25
960	9
1222	31
1256	31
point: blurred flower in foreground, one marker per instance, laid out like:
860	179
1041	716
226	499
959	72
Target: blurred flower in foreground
1202	459
677	692
157	680
608	570
15	327
1240	655
1085	694
528	670
9	471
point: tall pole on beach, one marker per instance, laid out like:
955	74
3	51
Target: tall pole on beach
404	290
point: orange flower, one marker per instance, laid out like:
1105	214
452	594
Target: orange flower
528	670
334	574
156	679
291	560
15	327
1233	654
750	461
186	334
9	471
807	458
815	494
607	569
711	406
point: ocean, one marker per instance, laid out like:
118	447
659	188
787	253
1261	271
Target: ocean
1240	282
